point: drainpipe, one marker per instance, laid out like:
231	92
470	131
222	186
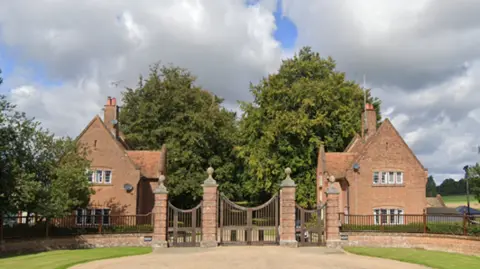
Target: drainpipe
348	199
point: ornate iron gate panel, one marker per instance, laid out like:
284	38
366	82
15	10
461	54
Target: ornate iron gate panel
184	226
310	226
248	225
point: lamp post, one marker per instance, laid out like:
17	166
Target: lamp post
465	168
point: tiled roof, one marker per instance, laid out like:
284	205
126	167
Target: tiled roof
435	201
337	163
149	162
442	210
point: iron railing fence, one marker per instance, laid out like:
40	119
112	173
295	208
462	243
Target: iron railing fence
455	224
24	227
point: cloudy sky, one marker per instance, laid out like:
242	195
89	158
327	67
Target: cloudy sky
422	57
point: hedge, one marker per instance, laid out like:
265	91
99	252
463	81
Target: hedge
436	228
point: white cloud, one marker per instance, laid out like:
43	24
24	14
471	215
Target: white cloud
420	57
87	45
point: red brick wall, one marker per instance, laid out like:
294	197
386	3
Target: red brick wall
209	215
287	215
387	152
448	243
84	241
107	154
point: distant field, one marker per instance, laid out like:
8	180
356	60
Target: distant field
459	200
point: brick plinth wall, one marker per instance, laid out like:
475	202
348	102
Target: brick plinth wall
160	216
287	212
209	211
449	243
76	242
332	226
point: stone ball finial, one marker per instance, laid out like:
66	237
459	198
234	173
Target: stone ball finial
161	189
288	181
331	178
161	179
210	171
210	181
288	171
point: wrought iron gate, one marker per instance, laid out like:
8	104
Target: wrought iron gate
248	225
184	226
310	226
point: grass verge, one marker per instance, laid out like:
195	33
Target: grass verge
434	259
62	259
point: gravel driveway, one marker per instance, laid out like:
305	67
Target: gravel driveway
249	258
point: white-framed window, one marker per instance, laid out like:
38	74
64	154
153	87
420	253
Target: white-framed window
391	177
375	178
384	177
91	176
99	176
388	216
399	178
93	216
107	176
387	177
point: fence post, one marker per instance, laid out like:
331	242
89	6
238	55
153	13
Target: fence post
424	221
332	226
160	215
464	223
47	221
209	211
287	211
2	245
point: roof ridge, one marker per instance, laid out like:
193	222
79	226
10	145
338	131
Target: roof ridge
142	150
341	153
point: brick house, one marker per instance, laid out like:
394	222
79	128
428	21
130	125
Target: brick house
378	174
123	179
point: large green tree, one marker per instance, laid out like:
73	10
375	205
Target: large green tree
168	108
39	173
306	103
474	181
452	187
431	187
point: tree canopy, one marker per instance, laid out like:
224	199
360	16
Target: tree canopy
452	187
474	177
306	103
39	173
431	187
168	108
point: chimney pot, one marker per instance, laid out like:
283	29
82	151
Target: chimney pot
109	100
114	101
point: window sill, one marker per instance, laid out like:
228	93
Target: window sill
388	185
101	184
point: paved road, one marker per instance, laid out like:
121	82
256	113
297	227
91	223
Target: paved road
248	258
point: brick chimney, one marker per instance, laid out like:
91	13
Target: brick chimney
110	115
369	123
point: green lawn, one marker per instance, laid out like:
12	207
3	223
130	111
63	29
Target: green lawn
434	259
457	198
62	259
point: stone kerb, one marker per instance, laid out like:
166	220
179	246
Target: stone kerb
332	227
159	239
287	211
209	211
